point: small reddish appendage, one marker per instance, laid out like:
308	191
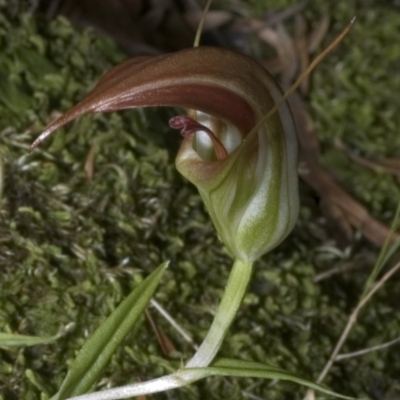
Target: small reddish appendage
188	126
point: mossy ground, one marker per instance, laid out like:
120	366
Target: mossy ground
71	249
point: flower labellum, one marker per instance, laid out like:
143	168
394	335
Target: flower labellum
245	173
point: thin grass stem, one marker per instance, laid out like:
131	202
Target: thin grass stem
362	352
352	320
201	24
299	80
168	317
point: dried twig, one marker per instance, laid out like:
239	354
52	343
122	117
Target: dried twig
352	320
318	34
165	343
335	199
343	210
388	165
310	395
382	346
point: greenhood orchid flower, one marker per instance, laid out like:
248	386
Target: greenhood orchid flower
239	148
245	173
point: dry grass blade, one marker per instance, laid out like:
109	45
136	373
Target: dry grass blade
340	208
310	395
173	323
201	24
358	353
165	343
353	318
318	34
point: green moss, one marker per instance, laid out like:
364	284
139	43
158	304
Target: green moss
71	249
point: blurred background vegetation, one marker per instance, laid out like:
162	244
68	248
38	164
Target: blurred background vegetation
72	245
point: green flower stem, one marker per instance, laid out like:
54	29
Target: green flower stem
231	300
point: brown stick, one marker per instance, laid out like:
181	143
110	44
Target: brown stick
317	177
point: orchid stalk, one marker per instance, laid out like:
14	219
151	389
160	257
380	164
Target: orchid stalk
243	163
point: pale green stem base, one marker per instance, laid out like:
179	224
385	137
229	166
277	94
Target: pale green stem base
231	300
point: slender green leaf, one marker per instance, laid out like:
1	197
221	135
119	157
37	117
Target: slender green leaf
11	340
249	369
97	351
